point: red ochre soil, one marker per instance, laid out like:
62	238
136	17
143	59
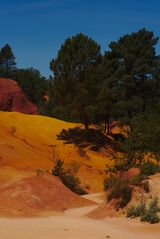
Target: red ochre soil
12	98
35	195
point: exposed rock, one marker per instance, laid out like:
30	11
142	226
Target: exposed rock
12	98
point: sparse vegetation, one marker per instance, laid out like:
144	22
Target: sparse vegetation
68	177
110	181
92	137
137	180
122	192
146	214
149	168
58	169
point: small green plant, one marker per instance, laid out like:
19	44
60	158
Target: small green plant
146	214
154	205
68	179
150	217
58	168
134	211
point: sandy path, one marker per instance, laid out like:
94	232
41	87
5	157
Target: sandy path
74	225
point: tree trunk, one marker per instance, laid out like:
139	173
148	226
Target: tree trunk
107	128
86	122
86	126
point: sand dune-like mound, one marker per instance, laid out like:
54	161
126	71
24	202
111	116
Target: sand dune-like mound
29	142
35	195
109	209
12	98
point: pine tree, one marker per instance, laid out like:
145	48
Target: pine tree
7	61
76	79
130	68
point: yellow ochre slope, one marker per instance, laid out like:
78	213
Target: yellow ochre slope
29	142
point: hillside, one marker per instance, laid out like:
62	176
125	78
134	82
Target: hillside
30	143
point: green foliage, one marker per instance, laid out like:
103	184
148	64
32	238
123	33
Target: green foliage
76	79
110	181
72	182
138	211
68	178
58	169
154	205
146	214
149	168
137	180
143	137
130	67
92	137
121	191
32	83
7	61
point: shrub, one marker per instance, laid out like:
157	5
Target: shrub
137	180
121	191
58	168
125	198
68	179
146	214
92	137
154	205
72	183
149	168
150	217
110	182
134	211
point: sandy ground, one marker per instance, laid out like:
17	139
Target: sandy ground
73	224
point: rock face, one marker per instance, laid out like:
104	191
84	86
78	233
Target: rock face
12	98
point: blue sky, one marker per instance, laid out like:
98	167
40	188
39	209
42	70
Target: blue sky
36	29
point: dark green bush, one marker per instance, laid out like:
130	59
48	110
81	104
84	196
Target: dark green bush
58	168
92	137
68	179
125	198
72	183
121	191
110	182
149	168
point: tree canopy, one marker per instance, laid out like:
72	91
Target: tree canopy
76	79
130	76
7	61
